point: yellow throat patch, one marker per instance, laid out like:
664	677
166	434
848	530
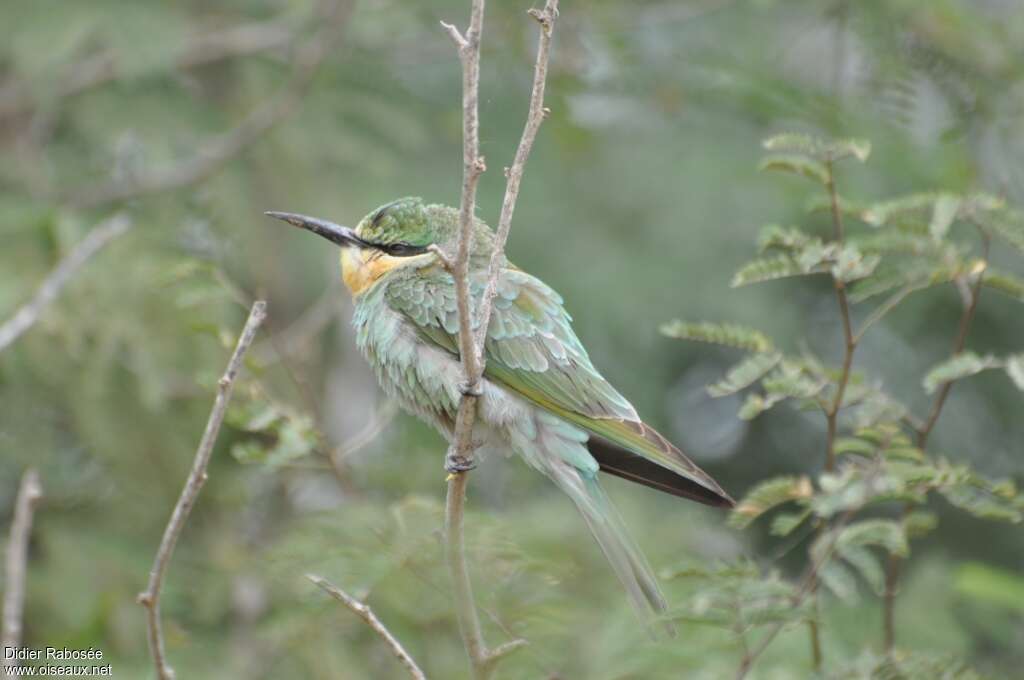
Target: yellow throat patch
361	267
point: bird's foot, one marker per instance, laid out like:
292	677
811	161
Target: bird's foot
468	390
455	463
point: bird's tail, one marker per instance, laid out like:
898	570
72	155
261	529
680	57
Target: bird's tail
611	533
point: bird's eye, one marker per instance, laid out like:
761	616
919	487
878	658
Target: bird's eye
402	249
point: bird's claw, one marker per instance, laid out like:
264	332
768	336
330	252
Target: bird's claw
467	390
455	464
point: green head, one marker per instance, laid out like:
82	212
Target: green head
406	220
396	235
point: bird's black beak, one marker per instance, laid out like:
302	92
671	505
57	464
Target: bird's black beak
335	233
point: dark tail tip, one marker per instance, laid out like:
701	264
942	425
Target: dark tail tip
626	464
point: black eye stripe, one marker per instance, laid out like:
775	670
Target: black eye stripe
399	249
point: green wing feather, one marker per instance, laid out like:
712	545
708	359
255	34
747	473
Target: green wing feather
532	350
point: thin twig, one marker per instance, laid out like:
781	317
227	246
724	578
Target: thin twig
364	612
150	597
808	586
832	410
16	568
471	348
881	310
47	292
461	448
214	153
850	341
924	431
514	174
959	343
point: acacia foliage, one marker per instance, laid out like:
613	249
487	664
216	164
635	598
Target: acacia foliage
876	255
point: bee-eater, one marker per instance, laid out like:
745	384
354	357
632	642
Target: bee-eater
541	395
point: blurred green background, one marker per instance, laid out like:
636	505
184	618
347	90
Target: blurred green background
641	198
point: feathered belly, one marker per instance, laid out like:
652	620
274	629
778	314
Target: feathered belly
425	379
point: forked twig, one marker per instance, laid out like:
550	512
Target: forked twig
47	292
460	456
150	597
363	611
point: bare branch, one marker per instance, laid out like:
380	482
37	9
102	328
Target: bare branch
48	291
446	261
214	153
454	34
15	571
460	455
514	174
150	598
364	612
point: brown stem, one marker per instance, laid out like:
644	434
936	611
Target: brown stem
808	586
849	339
150	597
460	455
30	491
832	410
893	565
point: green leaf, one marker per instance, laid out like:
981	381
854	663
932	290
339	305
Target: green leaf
737	597
767	495
877	408
731	335
790	380
797	165
784	523
913	207
960	366
1004	282
881	281
884	533
943	213
1011	230
847	148
990	584
782	238
851	489
839	580
771	268
844	445
851	265
1015	369
822	150
919	523
822	203
994	215
867	565
757	404
982	497
745	373
790	142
